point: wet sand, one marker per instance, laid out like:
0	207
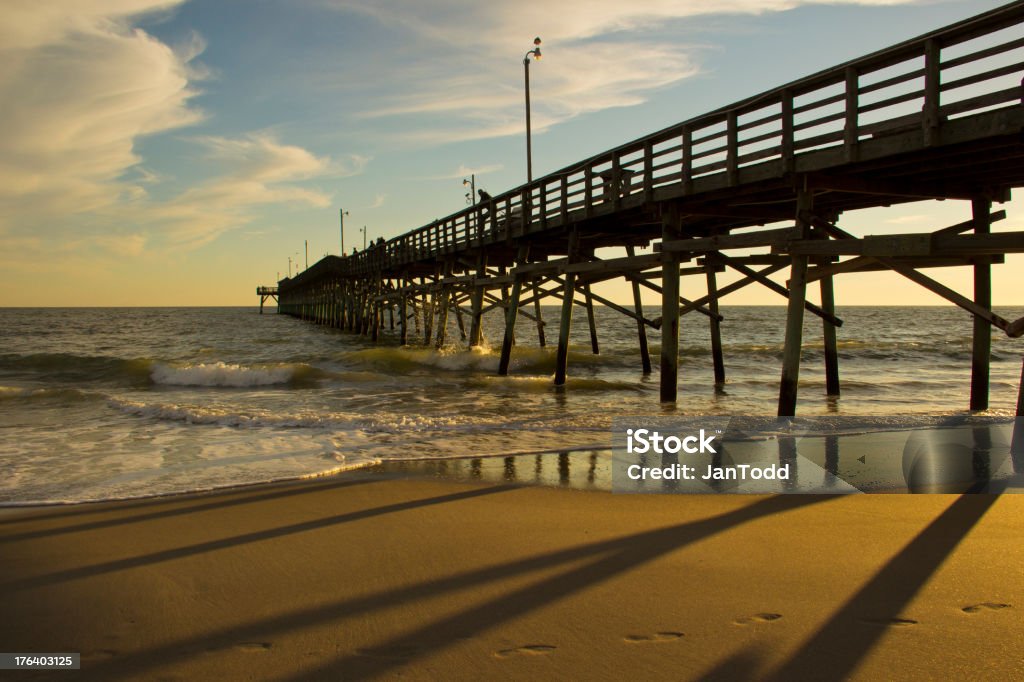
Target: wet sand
374	575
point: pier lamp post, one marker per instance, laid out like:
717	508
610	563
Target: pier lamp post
471	195
341	214
535	53
363	230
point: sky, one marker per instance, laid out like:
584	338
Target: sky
169	152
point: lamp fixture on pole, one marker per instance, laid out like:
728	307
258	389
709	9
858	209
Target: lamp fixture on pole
471	195
535	53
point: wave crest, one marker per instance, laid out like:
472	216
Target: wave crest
229	375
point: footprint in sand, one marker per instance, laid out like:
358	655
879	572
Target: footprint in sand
253	646
526	650
656	637
889	622
985	606
397	651
758	618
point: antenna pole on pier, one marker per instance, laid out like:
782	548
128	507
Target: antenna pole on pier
535	53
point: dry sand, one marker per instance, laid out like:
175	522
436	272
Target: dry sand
367	576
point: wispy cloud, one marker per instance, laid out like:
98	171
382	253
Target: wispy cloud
256	169
464	171
602	54
378	201
81	86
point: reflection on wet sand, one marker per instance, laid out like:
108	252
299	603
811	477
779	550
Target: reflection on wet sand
955	458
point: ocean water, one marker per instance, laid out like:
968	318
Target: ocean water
116	403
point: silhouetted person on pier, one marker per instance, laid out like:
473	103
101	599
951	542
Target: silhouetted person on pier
485	198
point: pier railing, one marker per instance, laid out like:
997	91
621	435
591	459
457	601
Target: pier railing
965	69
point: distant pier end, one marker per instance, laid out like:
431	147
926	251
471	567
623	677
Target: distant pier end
264	293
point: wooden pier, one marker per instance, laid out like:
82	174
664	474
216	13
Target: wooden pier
756	188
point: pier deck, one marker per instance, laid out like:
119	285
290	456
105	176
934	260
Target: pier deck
755	188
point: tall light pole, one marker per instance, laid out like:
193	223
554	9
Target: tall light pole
535	53
363	230
307	255
341	215
471	197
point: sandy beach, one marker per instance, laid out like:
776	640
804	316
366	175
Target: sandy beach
373	575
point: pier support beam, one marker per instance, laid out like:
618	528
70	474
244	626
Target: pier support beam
562	356
536	313
982	347
641	327
458	317
670	313
590	319
510	317
510	325
403	315
429	299
442	315
828	304
477	305
795	315
376	312
717	357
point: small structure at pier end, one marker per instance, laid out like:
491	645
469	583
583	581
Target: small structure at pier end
264	293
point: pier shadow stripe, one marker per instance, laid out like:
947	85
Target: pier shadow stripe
185	507
613	558
892	588
626	552
49	579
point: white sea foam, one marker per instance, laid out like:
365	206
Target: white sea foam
223	374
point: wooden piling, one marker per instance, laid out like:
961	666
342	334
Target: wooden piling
717	357
376	313
442	316
795	315
429	299
669	313
510	324
590	319
562	355
536	312
641	327
982	347
828	304
403	316
477	301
